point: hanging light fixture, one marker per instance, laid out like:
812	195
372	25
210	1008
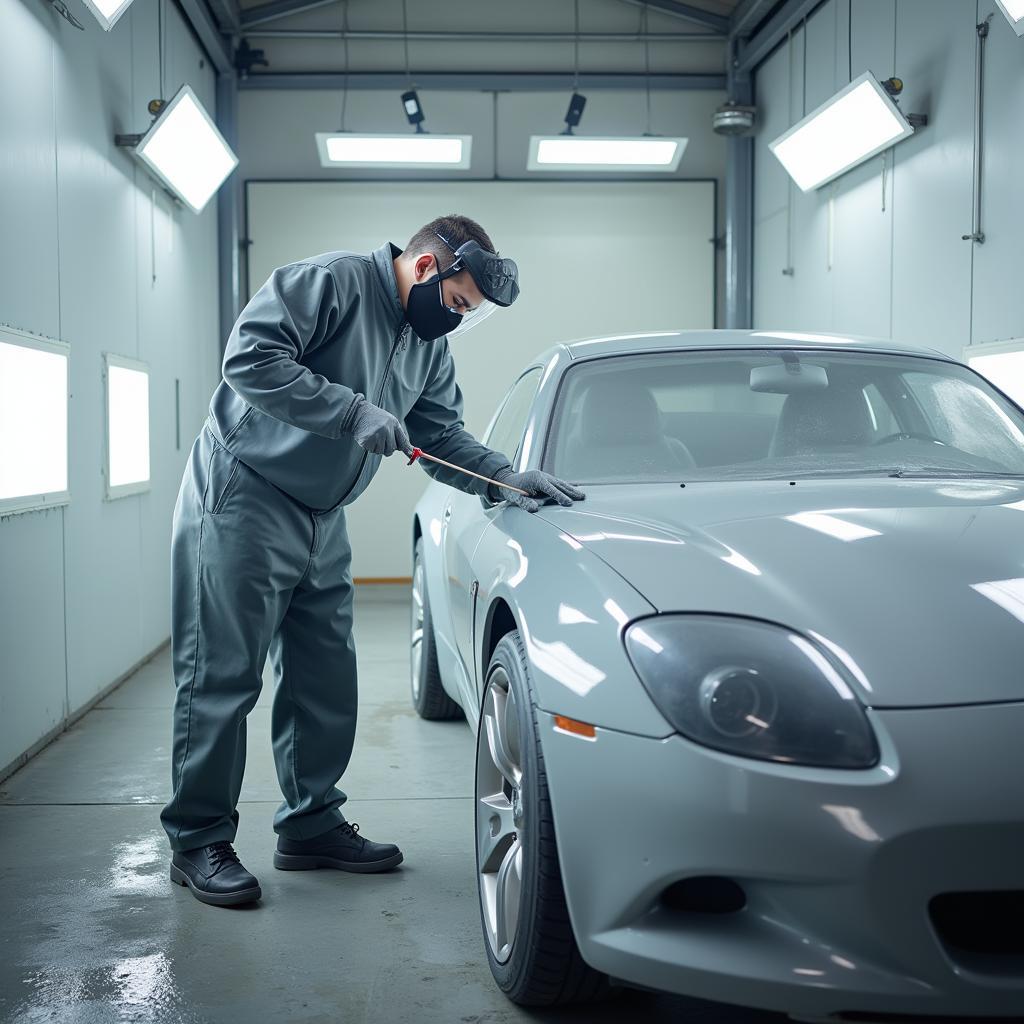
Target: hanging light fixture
570	152
854	125
183	149
107	12
422	149
1014	11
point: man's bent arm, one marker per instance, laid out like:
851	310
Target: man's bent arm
296	309
435	425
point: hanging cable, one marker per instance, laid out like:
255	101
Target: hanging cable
344	36
647	65
576	47
849	38
160	44
405	40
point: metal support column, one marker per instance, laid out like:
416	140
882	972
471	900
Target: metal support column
227	210
739	210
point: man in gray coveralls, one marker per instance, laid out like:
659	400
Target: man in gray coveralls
337	361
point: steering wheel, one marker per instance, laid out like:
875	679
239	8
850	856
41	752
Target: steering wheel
906	436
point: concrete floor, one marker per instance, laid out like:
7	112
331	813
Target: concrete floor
91	928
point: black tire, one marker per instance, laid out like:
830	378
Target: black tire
428	694
543	966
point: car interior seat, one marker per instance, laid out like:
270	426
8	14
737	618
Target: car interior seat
834	417
619	433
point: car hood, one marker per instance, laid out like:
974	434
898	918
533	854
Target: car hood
918	585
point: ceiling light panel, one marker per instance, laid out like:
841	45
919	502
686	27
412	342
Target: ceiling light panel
600	153
351	149
855	124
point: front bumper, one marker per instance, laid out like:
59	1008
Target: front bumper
838	866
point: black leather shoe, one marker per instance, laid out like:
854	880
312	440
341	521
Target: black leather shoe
342	847
215	875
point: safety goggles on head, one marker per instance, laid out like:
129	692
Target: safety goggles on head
496	277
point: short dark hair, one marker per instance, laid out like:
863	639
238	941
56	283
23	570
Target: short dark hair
456	228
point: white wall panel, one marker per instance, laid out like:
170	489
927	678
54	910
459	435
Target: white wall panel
931	279
998	307
32	683
890	260
87	257
28	180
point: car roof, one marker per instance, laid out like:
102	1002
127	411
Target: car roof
653	341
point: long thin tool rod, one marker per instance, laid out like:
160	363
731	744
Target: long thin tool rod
418	453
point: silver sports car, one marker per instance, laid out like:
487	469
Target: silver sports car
750	717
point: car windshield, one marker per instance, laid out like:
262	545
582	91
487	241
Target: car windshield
764	414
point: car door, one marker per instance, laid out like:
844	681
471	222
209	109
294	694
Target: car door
464	518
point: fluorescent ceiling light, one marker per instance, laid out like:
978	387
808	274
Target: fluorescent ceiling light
855	124
185	151
382	149
107	11
598	153
1002	363
1014	11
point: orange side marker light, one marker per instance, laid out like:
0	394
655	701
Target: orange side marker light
574	728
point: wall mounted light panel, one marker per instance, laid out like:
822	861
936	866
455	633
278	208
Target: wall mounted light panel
851	127
127	433
33	421
184	149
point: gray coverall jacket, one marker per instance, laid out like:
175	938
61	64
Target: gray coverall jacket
260	555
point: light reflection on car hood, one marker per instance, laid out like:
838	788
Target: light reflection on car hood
919	583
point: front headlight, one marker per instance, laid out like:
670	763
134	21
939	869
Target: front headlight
751	688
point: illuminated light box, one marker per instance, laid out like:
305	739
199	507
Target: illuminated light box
33	421
599	153
348	149
1002	363
107	12
1014	11
184	149
127	438
855	124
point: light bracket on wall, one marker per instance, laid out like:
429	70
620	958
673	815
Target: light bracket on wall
183	149
852	126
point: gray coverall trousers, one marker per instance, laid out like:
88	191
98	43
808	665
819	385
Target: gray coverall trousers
253	571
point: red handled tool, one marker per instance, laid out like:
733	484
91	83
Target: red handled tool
418	453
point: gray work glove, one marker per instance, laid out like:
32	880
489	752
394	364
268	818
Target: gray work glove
536	482
377	431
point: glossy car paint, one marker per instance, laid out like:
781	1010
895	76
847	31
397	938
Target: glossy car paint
911	583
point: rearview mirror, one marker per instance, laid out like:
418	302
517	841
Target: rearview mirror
788	377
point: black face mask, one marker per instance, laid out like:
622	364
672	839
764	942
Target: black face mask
426	312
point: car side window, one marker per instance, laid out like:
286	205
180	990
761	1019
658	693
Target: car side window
507	431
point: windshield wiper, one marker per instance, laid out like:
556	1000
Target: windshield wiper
936	471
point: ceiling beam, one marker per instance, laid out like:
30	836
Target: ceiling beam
279	9
757	48
208	34
500	81
478	37
746	16
227	14
688	12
